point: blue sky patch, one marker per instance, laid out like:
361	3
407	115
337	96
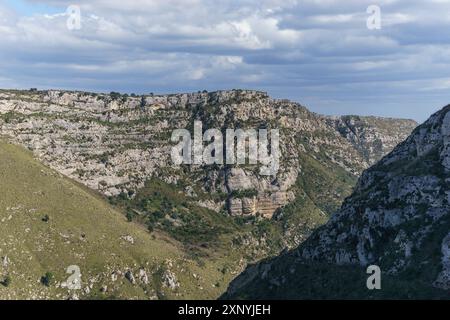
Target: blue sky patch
26	8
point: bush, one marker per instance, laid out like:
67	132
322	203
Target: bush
47	279
8	117
239	194
130	216
104	158
115	95
7	281
46	218
143	103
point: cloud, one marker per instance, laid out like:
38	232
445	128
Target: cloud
319	52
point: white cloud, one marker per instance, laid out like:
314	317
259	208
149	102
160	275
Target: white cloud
292	48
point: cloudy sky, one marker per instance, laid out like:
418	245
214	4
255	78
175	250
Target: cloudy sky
317	52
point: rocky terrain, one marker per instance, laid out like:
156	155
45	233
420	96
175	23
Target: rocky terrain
119	147
398	218
115	143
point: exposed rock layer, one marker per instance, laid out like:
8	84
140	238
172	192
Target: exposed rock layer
114	143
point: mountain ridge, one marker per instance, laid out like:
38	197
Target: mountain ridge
116	143
397	218
120	146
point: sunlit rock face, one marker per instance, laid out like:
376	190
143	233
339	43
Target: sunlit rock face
114	143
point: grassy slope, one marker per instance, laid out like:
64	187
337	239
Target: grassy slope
29	191
205	233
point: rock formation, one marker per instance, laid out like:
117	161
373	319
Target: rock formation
398	218
114	143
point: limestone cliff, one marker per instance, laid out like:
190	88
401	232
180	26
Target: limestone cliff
114	143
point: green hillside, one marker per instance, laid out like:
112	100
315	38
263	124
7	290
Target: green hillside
48	223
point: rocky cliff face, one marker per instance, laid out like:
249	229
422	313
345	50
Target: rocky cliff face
398	218
115	143
397	203
373	137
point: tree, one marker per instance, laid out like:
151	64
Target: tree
115	95
143	102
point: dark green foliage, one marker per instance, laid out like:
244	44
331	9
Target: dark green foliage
164	207
130	216
325	186
47	279
143	102
9	117
104	158
239	194
115	95
6	281
320	281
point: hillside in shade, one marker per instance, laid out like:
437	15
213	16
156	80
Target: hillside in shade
398	218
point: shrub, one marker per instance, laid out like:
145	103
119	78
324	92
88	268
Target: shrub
143	103
7	281
47	279
239	194
104	158
130	216
115	95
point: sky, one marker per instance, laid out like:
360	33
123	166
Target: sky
321	53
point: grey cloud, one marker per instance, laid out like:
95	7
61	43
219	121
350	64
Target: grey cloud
316	51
